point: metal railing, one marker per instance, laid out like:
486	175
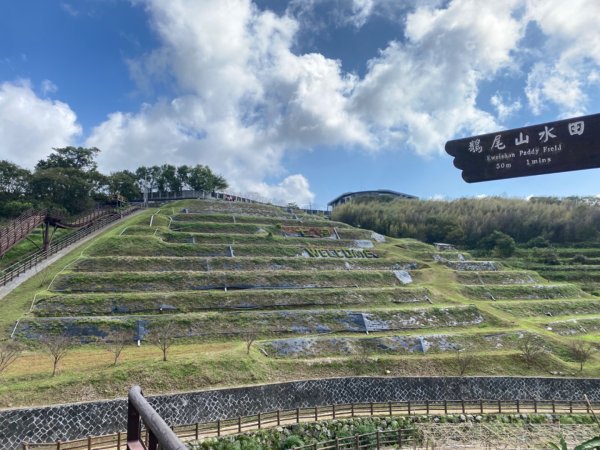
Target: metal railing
23	265
224	427
159	435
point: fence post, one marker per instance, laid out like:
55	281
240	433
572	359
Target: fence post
58	444
378	440
446	407
400	438
316	413
278	417
518	406
553	407
571	406
337	443
427	406
259	421
462	402
409	407
390	405
352	410
297	415
219	427
356	442
499	407
196	431
89	439
239	424
371	404
119	440
333	411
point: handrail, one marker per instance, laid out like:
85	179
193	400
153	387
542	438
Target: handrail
275	418
159	433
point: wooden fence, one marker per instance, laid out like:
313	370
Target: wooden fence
343	411
13	271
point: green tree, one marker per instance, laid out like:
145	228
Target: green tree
201	178
124	183
79	158
14	189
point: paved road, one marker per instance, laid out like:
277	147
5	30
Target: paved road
6	289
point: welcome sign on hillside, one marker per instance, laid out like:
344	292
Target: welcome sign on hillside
561	146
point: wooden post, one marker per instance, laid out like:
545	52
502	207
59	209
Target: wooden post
553	407
297	415
356	442
197	429
446	407
427	406
119	440
352	410
518	407
333	411
390	405
499	407
239	424
58	445
259	421
570	406
371	404
535	406
278	417
409	408
337	443
378	439
399	438
89	439
462	402
219	427
316	413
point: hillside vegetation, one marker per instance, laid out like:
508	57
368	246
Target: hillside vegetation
234	293
469	221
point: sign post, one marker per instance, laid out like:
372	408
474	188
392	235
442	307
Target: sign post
571	144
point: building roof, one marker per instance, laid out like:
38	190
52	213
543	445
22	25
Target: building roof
374	192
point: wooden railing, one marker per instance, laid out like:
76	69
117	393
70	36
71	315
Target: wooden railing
272	419
13	271
19	228
158	433
375	440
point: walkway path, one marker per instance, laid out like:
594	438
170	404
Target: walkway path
6	289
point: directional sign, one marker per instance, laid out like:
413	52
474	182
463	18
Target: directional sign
571	144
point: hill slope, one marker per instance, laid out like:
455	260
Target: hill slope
255	293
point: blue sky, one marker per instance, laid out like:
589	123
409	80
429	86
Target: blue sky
300	100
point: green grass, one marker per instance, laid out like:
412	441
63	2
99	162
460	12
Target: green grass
143	273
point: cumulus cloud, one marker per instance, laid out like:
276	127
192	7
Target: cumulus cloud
31	126
570	55
504	108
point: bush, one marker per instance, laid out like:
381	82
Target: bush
291	442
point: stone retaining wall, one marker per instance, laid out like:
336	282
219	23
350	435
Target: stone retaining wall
72	421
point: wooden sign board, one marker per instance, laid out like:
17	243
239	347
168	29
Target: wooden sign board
561	146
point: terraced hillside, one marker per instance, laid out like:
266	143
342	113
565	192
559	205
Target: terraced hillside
259	293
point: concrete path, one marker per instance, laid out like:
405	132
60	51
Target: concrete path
6	289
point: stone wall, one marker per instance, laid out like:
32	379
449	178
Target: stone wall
72	421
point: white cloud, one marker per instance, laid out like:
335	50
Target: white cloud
48	87
570	56
31	126
503	108
424	91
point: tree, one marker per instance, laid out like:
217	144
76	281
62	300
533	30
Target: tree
57	345
167	180
531	348
163	336
78	158
9	352
116	341
501	243
249	339
464	360
581	352
201	178
125	183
